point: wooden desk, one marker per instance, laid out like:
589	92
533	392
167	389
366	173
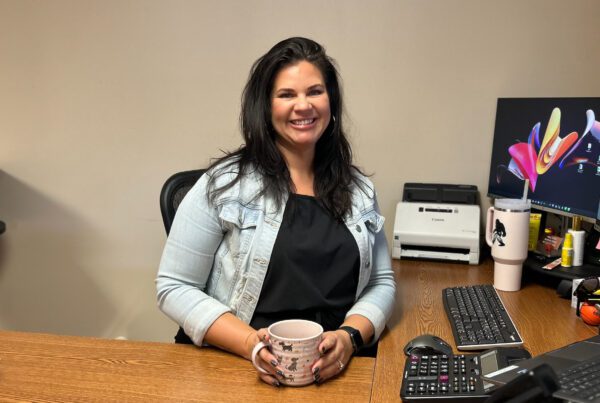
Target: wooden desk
544	321
49	368
66	368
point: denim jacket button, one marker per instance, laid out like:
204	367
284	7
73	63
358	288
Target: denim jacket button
368	263
358	228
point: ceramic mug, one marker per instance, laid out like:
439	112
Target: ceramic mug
507	233
295	343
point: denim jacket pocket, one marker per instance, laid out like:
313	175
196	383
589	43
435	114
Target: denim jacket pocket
373	221
239	225
240	216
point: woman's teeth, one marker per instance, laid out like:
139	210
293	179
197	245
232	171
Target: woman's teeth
302	122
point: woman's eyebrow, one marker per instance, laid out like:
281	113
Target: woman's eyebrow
286	90
283	89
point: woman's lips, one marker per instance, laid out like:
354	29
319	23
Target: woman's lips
303	123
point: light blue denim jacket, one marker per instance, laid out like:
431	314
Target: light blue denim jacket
216	256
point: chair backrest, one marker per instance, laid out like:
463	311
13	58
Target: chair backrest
173	191
171	194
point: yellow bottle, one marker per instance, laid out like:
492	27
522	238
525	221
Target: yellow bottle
566	259
534	230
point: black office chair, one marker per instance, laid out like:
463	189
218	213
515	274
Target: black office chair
171	195
173	191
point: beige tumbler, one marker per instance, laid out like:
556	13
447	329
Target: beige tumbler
507	233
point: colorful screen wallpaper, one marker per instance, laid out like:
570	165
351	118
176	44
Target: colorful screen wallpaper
555	144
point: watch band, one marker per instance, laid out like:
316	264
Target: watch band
355	337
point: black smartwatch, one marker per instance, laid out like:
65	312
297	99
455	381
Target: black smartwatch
355	337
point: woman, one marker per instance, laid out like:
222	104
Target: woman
285	227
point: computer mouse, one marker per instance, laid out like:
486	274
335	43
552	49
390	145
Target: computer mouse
427	344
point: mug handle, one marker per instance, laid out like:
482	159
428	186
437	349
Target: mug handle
259	346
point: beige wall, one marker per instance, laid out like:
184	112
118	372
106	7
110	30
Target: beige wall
100	101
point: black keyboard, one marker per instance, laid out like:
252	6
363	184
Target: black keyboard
429	378
479	319
581	382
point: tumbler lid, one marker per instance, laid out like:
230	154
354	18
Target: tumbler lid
513	204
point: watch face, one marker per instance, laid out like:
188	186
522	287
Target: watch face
355	337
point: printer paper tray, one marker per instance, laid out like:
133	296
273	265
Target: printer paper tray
438	253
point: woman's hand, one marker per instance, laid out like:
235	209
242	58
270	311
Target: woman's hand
336	351
266	360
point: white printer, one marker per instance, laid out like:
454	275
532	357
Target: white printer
445	226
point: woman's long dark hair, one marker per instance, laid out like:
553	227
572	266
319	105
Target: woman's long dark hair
334	171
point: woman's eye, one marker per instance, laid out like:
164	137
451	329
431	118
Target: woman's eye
315	92
285	95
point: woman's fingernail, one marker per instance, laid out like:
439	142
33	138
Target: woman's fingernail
316	370
274	363
276	383
279	372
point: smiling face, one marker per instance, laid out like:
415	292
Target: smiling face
300	110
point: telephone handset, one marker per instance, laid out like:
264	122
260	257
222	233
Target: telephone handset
501	357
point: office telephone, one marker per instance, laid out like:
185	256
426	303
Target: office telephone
454	377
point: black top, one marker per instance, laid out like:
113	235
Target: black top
313	270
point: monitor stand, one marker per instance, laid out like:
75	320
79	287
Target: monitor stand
561	277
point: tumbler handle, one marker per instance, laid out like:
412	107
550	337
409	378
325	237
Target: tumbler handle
488	226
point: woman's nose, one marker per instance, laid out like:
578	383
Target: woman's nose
302	103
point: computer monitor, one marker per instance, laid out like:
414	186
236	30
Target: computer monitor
597	223
555	144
